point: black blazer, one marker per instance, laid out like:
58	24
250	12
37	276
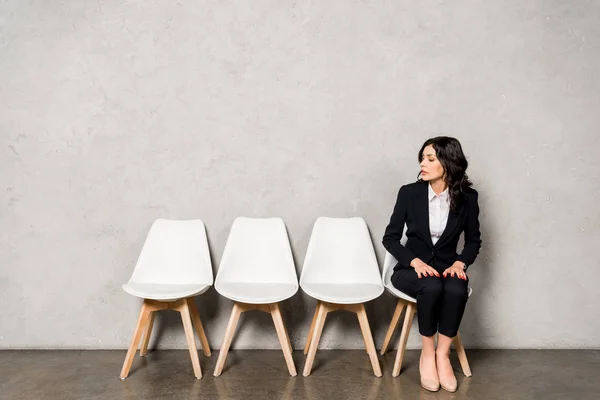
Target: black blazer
412	208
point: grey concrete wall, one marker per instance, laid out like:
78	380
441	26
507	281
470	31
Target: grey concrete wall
115	113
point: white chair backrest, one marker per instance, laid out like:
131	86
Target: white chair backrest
175	252
257	251
389	263
340	251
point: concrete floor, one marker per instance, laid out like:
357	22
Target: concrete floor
262	374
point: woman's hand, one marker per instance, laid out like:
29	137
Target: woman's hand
456	269
423	269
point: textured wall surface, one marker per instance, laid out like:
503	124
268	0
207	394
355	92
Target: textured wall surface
115	113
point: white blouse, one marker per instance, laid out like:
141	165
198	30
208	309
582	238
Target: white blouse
439	207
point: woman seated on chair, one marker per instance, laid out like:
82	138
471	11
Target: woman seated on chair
436	209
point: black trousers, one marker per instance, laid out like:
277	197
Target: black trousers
440	301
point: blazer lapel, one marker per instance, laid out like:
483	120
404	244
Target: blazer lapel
422	207
450	225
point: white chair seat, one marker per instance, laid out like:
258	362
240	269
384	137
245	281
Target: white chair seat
256	293
395	292
164	292
343	293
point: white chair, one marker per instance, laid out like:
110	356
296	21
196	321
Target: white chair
340	271
173	267
411	310
257	272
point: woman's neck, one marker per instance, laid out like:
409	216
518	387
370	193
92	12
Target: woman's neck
438	186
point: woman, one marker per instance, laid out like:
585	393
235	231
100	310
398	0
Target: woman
436	209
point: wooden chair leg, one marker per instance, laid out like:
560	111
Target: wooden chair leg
365	340
393	325
146	339
462	356
355	308
137	334
289	342
408	318
316	336
311	330
233	321
283	338
198	326
370	345
191	340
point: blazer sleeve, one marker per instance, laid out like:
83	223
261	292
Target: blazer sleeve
472	233
395	229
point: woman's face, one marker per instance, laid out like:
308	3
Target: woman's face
431	168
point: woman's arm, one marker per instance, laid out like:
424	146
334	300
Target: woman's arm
395	229
472	233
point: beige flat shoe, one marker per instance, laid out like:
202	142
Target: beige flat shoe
431	384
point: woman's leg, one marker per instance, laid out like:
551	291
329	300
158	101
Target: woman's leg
428	346
443	365
428	292
454	300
